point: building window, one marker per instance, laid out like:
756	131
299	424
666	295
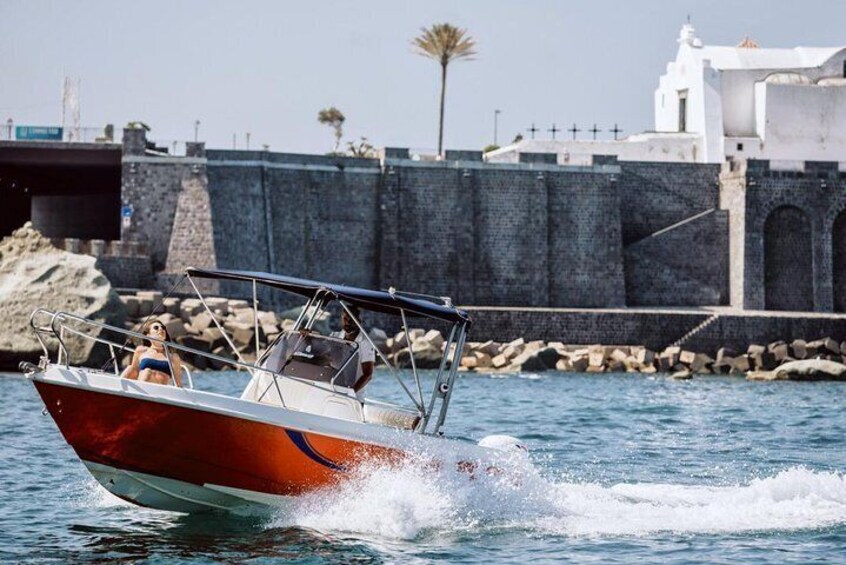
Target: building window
740	147
682	110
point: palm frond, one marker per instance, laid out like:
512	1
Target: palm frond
444	43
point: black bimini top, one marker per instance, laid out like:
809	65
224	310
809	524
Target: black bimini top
374	300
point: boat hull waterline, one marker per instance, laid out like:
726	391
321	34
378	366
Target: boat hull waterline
186	450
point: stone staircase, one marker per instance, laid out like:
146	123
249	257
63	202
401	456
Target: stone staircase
686	337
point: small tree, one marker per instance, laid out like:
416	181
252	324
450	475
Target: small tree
333	118
361	149
444	43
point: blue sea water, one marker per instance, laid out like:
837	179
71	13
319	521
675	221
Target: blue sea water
623	468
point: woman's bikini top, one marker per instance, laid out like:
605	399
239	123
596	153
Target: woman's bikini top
159	365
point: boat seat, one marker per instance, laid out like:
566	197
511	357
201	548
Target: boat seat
390	416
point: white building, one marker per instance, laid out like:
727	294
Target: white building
717	102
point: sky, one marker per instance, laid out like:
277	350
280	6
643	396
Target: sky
268	67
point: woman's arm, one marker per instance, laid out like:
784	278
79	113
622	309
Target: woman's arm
176	363
131	372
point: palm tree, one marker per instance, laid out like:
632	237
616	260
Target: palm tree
444	43
333	118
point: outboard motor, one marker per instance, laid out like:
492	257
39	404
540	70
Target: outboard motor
504	443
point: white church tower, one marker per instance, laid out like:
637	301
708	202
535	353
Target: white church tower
751	102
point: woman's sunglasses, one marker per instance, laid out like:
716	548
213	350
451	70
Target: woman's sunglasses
156	328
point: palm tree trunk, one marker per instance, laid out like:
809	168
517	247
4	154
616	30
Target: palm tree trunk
441	124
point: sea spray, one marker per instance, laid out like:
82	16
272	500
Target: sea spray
411	501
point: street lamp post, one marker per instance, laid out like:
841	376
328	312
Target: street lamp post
196	130
496	124
9	124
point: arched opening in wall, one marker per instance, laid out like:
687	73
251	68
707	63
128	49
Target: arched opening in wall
788	262
838	260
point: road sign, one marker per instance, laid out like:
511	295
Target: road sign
43	133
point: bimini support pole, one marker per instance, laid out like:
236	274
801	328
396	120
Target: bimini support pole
418	405
445	388
255	318
217	324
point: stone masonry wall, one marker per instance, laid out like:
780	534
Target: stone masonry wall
685	265
817	190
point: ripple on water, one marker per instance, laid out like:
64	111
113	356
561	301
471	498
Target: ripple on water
623	468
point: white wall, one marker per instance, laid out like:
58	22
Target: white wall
806	122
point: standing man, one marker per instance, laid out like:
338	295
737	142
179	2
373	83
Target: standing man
366	355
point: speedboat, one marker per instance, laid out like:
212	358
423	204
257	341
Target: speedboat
297	427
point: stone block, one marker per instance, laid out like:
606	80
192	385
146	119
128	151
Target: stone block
189	307
171	305
469	362
529	361
489	347
201	321
235	305
618	355
644	356
244	336
511	352
666	362
216	303
132	305
763	361
616	366
154	295
725	352
214	336
549	356
579	364
799	349
199	343
482	359
740	364
755	349
433	338
175	328
596	358
687	357
499	361
701	364
145	306
780	351
564	364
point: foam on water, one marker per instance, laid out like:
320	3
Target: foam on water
413	501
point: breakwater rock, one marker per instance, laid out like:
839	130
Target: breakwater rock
189	324
34	273
798	360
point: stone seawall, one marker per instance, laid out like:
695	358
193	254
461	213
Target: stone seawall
654	329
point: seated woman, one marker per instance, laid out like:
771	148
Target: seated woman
150	363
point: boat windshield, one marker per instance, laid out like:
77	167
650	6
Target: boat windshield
315	357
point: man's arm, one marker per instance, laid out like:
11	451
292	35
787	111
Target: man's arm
366	375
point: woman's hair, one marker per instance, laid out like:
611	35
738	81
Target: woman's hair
145	329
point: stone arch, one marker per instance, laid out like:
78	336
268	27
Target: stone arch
788	260
838	261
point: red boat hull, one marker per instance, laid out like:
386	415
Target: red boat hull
201	447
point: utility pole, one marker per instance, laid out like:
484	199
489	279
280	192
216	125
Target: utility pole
234	137
496	120
248	141
196	130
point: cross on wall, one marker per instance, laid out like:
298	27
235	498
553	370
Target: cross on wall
533	130
554	130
